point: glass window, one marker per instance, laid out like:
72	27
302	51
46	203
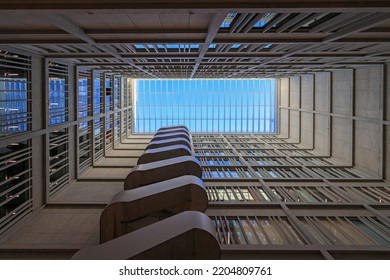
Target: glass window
97	97
236	193
15	93
84	98
228	20
264	20
109	91
58	93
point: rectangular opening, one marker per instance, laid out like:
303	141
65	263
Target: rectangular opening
206	106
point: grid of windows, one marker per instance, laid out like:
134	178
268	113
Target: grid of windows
91	134
15	93
347	230
117	129
228	20
265	19
15	183
85	146
116	90
305	200
109	132
282	172
236	193
84	102
129	121
58	93
307	194
97	93
124	118
98	139
278	190
228	173
206	105
58	160
256	230
368	194
108	92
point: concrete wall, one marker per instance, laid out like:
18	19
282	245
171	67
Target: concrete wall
386	126
307	116
367	146
72	116
321	118
387	153
368	98
295	104
342	113
342	109
342	139
38	143
387	93
284	87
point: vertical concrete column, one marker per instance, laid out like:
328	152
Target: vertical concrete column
72	116
321	106
386	160
307	114
342	115
284	121
93	73
368	116
39	112
294	105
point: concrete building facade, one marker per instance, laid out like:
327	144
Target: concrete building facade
318	189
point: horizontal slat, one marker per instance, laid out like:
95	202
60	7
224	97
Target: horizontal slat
10	220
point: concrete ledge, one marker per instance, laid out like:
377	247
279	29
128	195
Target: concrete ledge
188	235
159	200
163	153
149	173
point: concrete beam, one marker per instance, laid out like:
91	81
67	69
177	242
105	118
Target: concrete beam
214	26
201	5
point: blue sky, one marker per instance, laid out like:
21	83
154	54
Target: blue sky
221	106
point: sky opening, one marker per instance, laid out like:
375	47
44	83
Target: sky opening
206	106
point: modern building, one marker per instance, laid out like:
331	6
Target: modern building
304	174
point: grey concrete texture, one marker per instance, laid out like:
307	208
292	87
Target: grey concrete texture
349	120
